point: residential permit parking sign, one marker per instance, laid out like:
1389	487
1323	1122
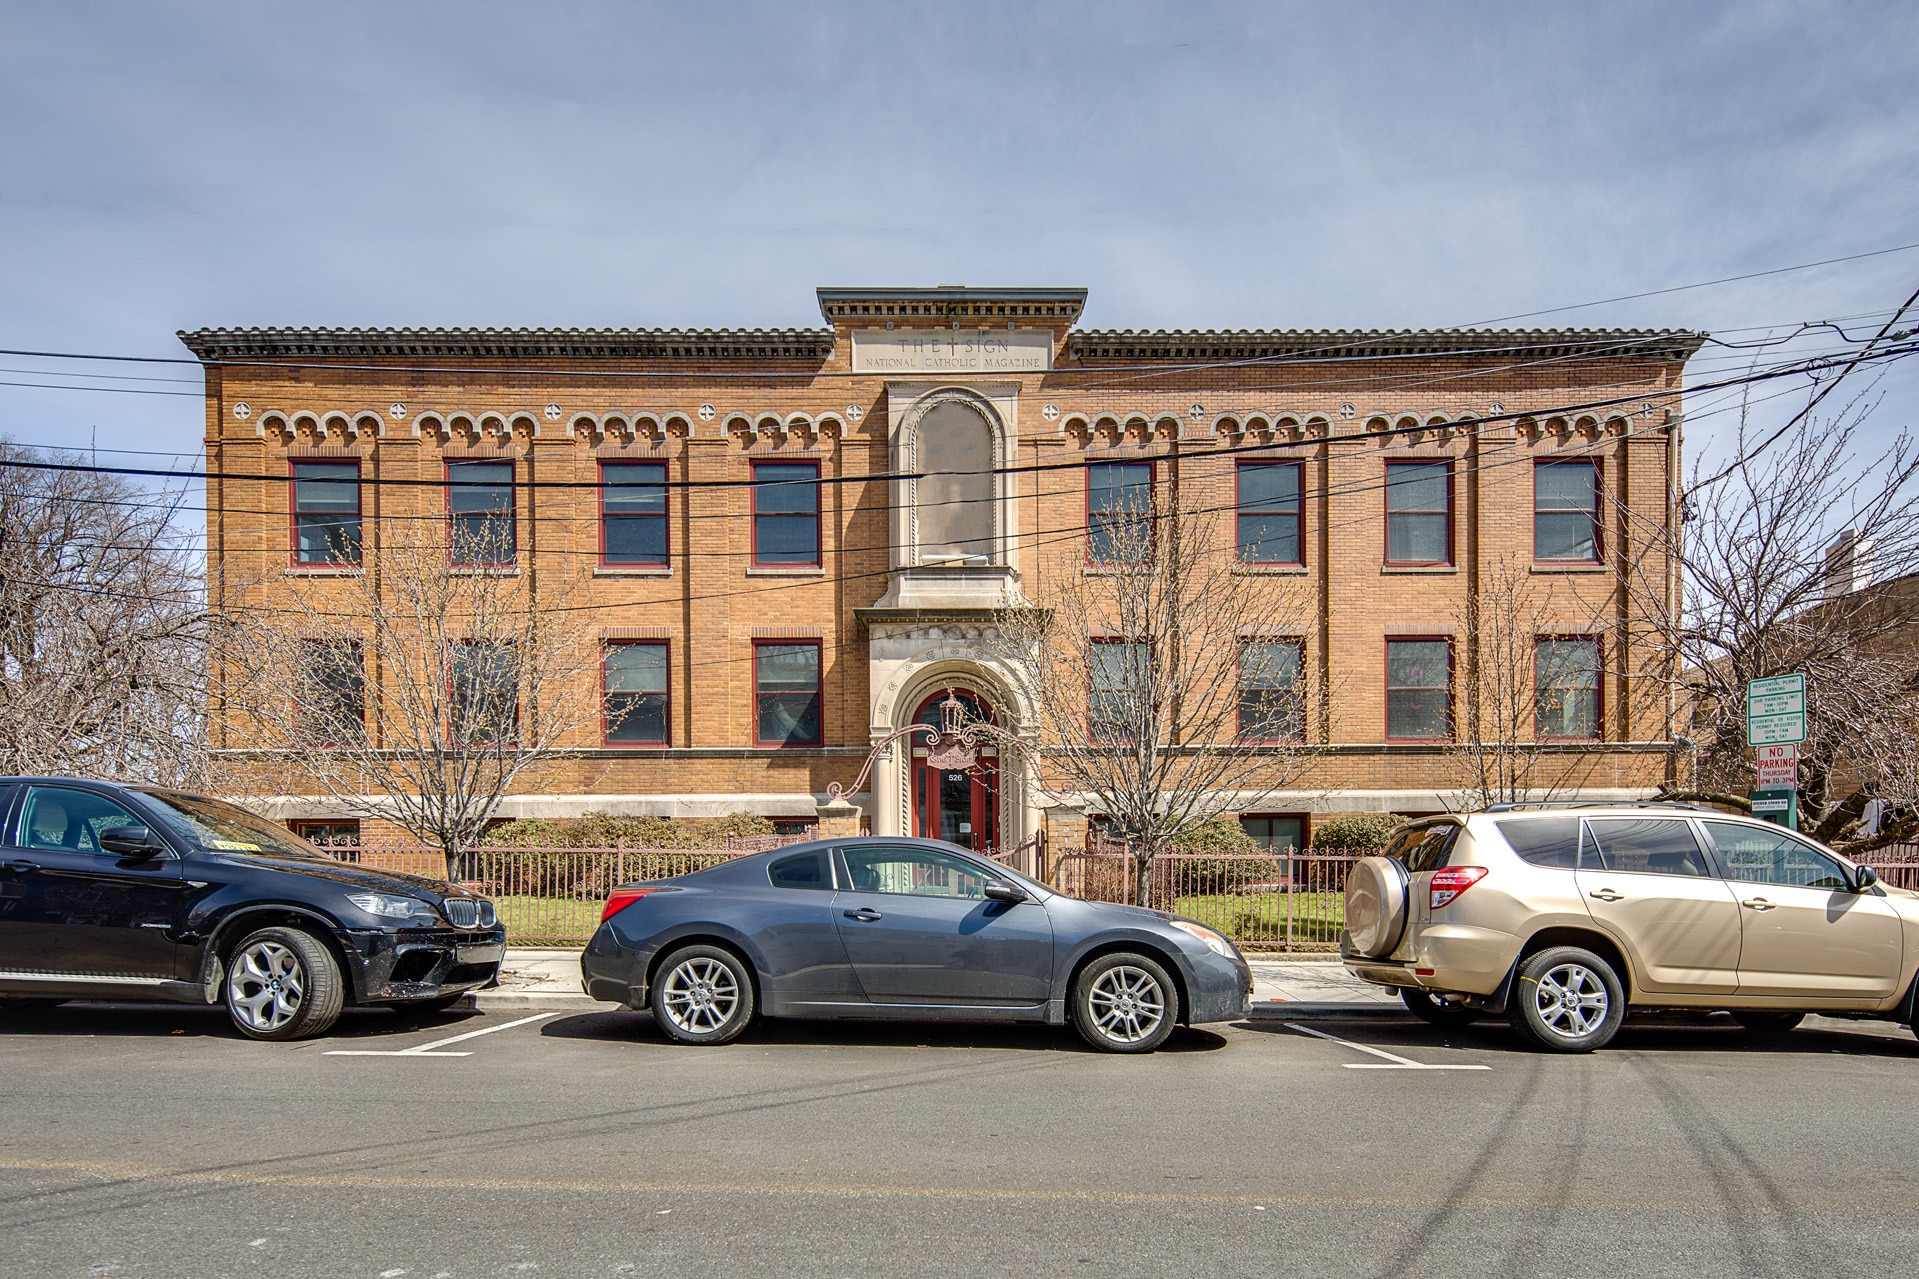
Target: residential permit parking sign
1776	710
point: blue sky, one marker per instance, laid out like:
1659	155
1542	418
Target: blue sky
168	166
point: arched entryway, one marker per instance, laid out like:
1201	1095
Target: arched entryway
960	806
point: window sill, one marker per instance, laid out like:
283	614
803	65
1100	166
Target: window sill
482	570
1568	566
1243	569
635	570
1416	569
787	746
798	570
639	747
325	570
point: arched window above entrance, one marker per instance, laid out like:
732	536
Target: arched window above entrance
953	501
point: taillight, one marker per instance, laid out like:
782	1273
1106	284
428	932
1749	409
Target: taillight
1452	881
621	899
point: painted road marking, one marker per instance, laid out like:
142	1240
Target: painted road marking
426	1050
1396	1063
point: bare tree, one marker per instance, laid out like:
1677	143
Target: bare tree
102	626
415	691
1766	591
1165	682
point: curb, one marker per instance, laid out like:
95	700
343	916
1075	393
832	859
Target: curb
485	999
1303	1010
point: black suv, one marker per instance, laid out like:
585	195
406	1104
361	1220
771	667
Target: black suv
138	893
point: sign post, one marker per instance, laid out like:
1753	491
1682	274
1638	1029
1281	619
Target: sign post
1775	725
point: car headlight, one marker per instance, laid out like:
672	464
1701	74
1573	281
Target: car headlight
392	906
1214	942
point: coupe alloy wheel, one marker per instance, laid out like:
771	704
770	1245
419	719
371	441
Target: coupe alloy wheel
1127	1004
701	995
266	985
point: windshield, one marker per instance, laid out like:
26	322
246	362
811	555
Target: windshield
225	828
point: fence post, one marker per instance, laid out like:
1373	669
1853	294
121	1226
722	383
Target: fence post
1292	887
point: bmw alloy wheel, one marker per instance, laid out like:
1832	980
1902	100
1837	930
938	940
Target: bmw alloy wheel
1571	1000
700	995
265	986
1127	1004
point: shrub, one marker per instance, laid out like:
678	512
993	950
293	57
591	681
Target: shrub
591	830
1359	833
1226	861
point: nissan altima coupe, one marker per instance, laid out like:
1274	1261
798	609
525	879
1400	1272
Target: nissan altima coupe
903	928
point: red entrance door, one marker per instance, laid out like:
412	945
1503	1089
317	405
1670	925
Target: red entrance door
958	806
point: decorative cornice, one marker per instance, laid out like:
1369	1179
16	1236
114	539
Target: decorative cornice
951	301
224	345
1357	344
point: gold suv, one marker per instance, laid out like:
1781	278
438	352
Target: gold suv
1561	918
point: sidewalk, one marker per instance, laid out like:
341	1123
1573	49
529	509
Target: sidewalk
1290	988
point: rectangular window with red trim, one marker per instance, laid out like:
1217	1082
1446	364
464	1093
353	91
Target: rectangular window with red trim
633	514
1566	679
1119	686
1419	690
1119	511
1269	513
1270	706
638	708
327	834
1566	512
480	513
1419	512
786	515
326	512
786	693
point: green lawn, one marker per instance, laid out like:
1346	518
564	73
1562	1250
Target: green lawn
1256	920
548	920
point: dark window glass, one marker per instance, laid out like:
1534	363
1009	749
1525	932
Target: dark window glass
1419	518
332	692
326	512
57	817
1119	507
1269	512
1428	849
877	868
633	507
1544	841
1566	674
485	694
1644	846
1270	707
1566	511
786	513
480	503
1755	855
636	694
802	870
1418	689
786	691
1120	685
1275	834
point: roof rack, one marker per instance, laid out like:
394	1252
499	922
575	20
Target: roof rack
1546	804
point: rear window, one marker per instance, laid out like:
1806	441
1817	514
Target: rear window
1426	848
802	870
1544	841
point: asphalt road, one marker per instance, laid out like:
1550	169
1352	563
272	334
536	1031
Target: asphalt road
145	1142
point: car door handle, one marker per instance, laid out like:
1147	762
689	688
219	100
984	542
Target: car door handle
1606	895
20	866
1758	903
865	914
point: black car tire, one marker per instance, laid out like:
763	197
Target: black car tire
1567	1000
1767	1021
292	957
702	995
1116	996
1435	1011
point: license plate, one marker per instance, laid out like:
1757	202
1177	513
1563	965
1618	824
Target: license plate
492	954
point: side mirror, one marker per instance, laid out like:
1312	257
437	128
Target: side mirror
130	840
999	890
1866	879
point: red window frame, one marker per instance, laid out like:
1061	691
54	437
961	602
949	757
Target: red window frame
1152	494
819	689
666	646
293	511
512	511
819	540
1599	525
1298	645
1452	709
1298	516
1599	688
1305	821
666	515
1386	513
301	828
1093	645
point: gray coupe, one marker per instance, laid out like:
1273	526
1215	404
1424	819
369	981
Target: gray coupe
907	928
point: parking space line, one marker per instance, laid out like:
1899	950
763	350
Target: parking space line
1396	1063
427	1050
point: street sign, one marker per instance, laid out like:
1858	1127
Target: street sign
1777	806
1779	767
1776	710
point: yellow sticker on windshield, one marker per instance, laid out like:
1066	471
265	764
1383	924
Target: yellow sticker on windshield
233	843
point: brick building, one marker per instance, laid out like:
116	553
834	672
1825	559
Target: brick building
768	610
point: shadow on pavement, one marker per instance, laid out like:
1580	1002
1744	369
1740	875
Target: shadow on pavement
638	1028
206	1021
1646	1032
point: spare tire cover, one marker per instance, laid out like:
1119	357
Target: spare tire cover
1375	905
